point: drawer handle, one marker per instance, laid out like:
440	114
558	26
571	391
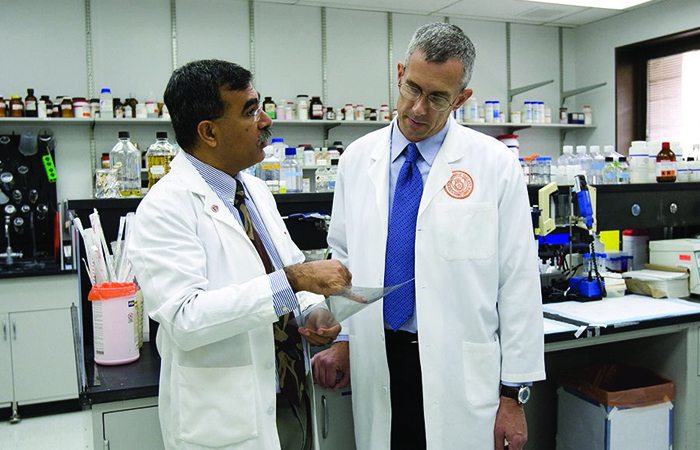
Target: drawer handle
673	208
4	329
636	210
14	330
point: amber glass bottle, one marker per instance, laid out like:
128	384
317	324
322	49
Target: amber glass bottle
665	164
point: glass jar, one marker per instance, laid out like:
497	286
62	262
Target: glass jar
665	164
3	110
67	107
316	108
16	106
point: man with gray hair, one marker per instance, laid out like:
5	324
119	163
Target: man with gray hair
446	360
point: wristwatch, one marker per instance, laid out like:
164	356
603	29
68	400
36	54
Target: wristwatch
519	393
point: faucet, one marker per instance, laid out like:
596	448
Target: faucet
9	255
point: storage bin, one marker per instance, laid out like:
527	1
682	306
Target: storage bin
614	407
115	323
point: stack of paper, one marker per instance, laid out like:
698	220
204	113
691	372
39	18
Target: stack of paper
657	283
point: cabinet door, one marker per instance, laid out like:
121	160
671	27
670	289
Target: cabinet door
5	361
133	429
334	421
43	356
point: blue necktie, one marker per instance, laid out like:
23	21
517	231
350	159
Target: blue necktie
401	242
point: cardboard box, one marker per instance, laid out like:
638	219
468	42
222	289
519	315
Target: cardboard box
614	407
659	281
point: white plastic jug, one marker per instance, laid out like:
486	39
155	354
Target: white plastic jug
114	323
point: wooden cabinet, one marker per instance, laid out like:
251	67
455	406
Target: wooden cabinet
37	350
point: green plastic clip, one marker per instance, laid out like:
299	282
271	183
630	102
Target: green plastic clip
49	167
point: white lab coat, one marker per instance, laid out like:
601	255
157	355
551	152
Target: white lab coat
478	305
217	381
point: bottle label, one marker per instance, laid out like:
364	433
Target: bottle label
270	166
666	169
17	106
66	106
30	105
157	170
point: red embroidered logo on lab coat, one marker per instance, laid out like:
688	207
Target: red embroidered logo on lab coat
460	185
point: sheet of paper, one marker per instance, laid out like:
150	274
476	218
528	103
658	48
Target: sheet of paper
342	305
654	275
630	308
554	326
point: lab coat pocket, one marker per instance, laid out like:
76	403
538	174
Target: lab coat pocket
482	372
217	405
466	231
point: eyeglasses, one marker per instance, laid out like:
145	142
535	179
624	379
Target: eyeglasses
413	93
254	114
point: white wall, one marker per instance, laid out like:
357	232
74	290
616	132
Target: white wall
132	53
595	55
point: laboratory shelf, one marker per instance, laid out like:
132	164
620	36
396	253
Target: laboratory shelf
44	120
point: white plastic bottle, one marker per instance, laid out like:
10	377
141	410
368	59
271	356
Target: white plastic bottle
682	172
278	149
269	170
638	161
562	170
583	160
126	158
291	171
106	107
488	112
472	110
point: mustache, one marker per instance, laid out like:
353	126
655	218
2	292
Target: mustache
265	135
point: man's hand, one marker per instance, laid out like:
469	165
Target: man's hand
328	363
320	277
320	327
510	425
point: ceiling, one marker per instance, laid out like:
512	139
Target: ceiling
517	11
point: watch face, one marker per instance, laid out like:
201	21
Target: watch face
524	394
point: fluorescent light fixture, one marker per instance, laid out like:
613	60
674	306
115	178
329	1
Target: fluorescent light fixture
603	4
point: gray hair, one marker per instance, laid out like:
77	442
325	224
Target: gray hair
440	42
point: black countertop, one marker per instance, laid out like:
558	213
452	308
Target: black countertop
22	271
138	379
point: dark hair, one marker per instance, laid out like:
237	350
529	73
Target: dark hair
441	42
193	95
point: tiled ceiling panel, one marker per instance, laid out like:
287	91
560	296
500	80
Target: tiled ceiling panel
405	6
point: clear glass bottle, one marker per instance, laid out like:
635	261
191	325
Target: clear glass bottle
126	158
623	171
332	174
597	163
269	170
610	171
321	176
291	171
158	158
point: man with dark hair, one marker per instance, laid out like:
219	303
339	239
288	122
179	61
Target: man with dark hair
445	361
222	277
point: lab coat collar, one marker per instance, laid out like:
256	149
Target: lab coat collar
213	206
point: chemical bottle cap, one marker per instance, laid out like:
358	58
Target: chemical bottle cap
568	149
580	149
290	151
594	148
106	90
622	159
609	149
334	162
161	135
124	134
608	159
277	140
